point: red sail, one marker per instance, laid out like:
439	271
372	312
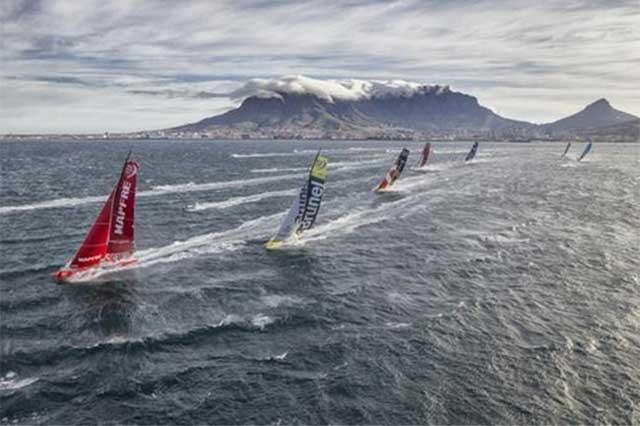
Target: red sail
425	154
94	247
121	235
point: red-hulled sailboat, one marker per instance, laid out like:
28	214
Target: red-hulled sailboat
110	241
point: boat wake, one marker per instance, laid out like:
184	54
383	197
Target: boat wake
352	165
198	187
260	228
436	167
236	201
296	152
450	151
51	204
155	191
279	170
264	155
188	187
215	242
350	222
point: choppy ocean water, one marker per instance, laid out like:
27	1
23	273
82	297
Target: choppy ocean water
505	290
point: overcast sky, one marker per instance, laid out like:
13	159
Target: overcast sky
124	65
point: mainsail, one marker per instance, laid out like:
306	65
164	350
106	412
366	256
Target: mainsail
425	154
566	150
586	151
394	171
111	237
472	153
303	212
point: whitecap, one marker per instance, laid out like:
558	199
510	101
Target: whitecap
11	382
261	321
397	324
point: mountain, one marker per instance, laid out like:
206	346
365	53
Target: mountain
596	115
437	109
302	107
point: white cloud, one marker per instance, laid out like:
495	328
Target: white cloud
330	90
532	61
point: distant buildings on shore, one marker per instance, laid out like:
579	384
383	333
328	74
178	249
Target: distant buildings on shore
297	134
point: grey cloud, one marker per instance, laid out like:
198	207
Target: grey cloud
171	94
161	54
55	80
13	10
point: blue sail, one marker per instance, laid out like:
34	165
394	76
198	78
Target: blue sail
586	151
472	153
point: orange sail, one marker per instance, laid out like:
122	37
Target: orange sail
393	173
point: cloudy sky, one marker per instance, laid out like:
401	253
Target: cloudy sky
124	65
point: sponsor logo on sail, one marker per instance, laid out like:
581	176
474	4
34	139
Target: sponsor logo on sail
121	208
131	170
313	205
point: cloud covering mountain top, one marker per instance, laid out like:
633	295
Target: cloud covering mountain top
332	90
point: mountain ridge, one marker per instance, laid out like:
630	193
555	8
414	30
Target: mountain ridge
597	114
299	107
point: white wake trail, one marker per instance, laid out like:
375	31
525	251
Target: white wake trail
235	201
155	191
52	204
276	169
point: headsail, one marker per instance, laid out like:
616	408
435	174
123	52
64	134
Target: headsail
425	154
304	210
586	151
566	150
94	248
472	153
111	236
394	171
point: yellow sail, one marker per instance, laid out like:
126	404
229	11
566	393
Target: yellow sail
304	210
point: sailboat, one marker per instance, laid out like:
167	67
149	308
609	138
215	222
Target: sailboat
304	210
425	155
585	151
110	241
472	153
393	173
566	150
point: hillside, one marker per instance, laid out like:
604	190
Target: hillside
301	107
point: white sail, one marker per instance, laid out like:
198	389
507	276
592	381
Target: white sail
290	221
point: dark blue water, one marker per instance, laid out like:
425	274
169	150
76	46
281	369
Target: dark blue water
504	290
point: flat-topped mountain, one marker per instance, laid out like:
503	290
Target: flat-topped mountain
441	109
297	106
